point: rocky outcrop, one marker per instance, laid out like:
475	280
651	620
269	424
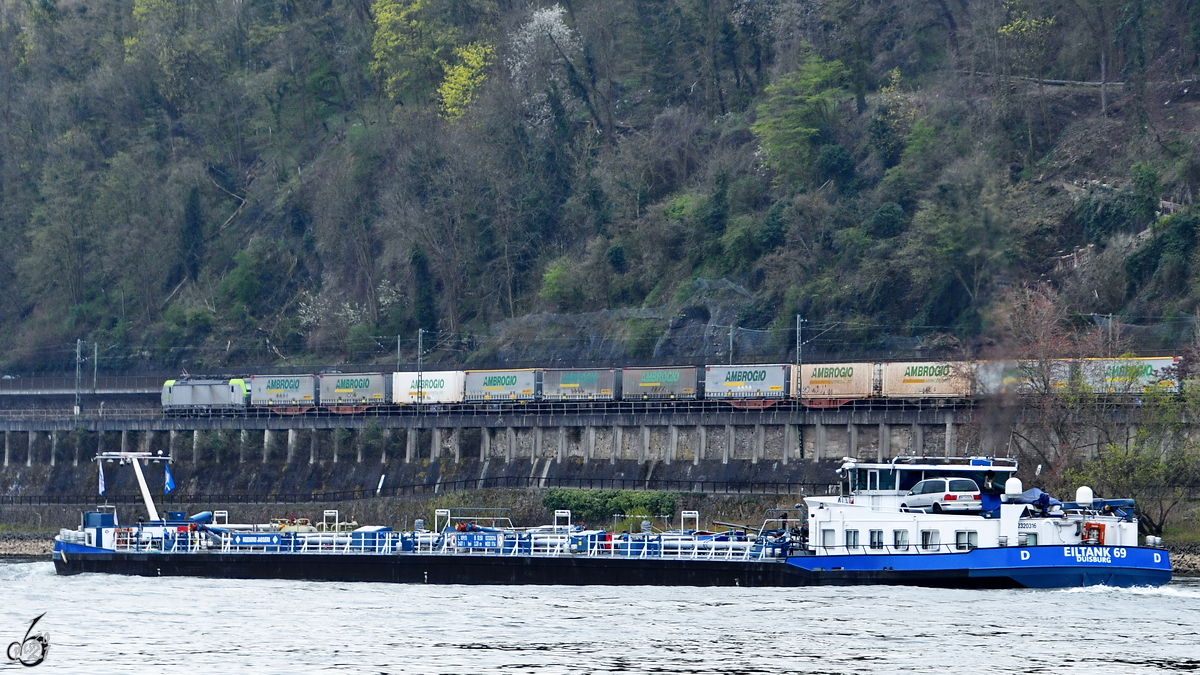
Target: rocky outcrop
1185	559
26	544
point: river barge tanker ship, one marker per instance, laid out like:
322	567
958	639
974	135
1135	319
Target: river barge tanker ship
884	527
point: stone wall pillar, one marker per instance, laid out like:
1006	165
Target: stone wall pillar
617	442
730	437
456	445
31	439
387	440
562	445
852	440
536	452
701	443
951	442
511	452
918	440
760	443
822	439
7	449
436	443
410	445
885	442
312	447
673	447
291	446
644	448
590	453
53	447
485	443
242	446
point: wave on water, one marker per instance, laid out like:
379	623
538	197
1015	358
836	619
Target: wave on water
17	571
1180	588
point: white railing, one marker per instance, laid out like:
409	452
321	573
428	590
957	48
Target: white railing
545	543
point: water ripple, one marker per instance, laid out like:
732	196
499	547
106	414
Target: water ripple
106	624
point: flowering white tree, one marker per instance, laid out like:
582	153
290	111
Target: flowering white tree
542	52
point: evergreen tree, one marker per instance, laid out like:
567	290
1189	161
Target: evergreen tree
191	235
425	304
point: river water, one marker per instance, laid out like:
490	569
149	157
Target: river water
109	624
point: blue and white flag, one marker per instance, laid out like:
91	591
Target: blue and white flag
170	484
100	463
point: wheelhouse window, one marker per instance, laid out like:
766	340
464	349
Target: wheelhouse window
851	538
1027	539
930	540
965	540
827	538
877	539
900	540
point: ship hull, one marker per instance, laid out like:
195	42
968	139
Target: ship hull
991	568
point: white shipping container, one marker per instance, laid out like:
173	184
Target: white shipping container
834	380
926	379
1129	376
436	386
757	381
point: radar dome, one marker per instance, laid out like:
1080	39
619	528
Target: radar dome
1084	496
1013	486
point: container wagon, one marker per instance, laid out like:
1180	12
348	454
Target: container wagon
354	393
756	386
581	384
284	394
644	384
431	386
827	385
1130	376
500	386
918	380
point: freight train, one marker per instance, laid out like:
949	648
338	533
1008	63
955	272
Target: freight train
746	386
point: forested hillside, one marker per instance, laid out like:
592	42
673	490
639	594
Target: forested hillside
224	182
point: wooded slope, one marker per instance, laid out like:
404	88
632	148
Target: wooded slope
216	182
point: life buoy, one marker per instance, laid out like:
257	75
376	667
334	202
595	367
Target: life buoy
1094	532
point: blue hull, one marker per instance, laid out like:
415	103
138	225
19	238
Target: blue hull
1035	567
1028	567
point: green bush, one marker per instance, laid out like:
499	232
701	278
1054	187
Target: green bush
887	221
599	506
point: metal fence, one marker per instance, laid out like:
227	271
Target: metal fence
113	383
702	487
